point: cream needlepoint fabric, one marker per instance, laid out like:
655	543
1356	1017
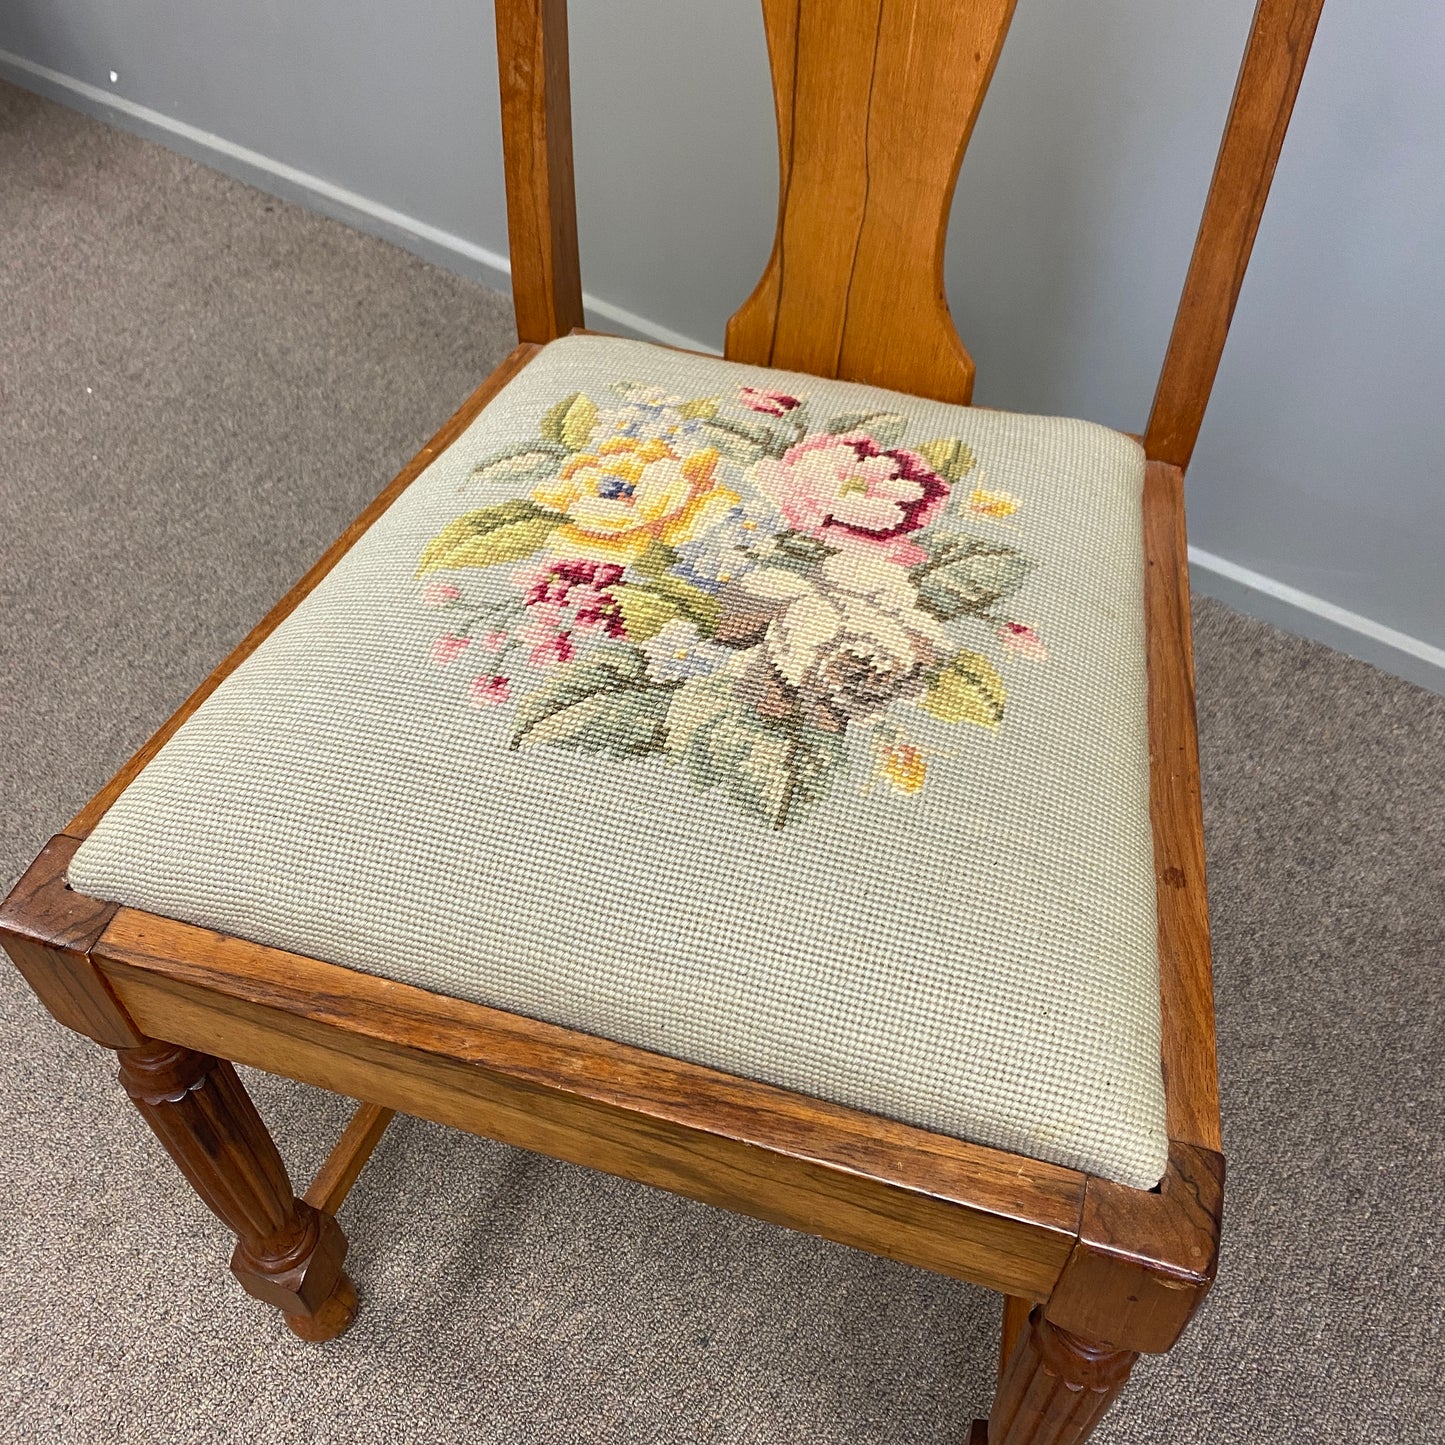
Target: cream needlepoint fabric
791	727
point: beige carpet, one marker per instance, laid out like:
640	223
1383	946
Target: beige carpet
199	386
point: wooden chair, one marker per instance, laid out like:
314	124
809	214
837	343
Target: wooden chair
1093	1272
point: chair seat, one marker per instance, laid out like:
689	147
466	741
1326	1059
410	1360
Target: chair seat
791	727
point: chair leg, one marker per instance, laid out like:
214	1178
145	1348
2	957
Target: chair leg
287	1252
1055	1388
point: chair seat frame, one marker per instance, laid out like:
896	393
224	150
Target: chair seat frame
1093	1272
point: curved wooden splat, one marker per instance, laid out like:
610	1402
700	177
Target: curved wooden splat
876	100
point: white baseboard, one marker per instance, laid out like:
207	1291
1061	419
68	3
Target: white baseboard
1251	592
1309	616
432	243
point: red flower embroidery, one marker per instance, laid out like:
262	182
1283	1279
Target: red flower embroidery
770	403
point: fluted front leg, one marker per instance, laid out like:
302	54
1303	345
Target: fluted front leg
287	1253
1056	1387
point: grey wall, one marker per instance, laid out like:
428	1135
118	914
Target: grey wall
1318	469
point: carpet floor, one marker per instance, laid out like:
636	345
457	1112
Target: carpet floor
199	387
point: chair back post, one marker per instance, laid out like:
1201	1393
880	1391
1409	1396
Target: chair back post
876	100
537	146
1269	80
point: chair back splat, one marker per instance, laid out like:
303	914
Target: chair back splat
876	101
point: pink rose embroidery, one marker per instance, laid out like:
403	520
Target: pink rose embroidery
439	594
554	650
448	649
848	491
1023	640
489	690
770	403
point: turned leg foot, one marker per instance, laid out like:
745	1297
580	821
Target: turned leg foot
1054	1389
337	1311
287	1253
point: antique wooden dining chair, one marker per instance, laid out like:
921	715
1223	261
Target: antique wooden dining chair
770	778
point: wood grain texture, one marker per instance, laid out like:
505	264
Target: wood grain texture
1145	1259
1269	79
1015	1316
876	100
904	1193
537	146
1186	978
84	821
1056	1386
48	930
344	1164
288	1253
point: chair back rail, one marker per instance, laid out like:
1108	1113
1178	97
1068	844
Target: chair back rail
870	144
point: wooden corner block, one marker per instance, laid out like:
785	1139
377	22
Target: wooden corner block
1144	1259
48	930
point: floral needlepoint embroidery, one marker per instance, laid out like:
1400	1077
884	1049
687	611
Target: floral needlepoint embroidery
770	403
901	765
679	652
992	504
733	585
489	690
1023	640
440	594
448	649
849	491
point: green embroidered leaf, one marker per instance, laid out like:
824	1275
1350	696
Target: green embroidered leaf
967	575
648	607
773	769
967	689
693	604
797	551
703	409
526	464
656	561
603	704
629	723
885	427
489	536
741	443
951	458
645	611
570	422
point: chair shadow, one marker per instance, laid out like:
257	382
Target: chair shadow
602	1309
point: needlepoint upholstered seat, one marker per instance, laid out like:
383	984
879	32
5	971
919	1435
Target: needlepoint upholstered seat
769	778
750	718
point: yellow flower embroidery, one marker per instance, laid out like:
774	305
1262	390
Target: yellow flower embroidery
627	493
992	504
902	765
